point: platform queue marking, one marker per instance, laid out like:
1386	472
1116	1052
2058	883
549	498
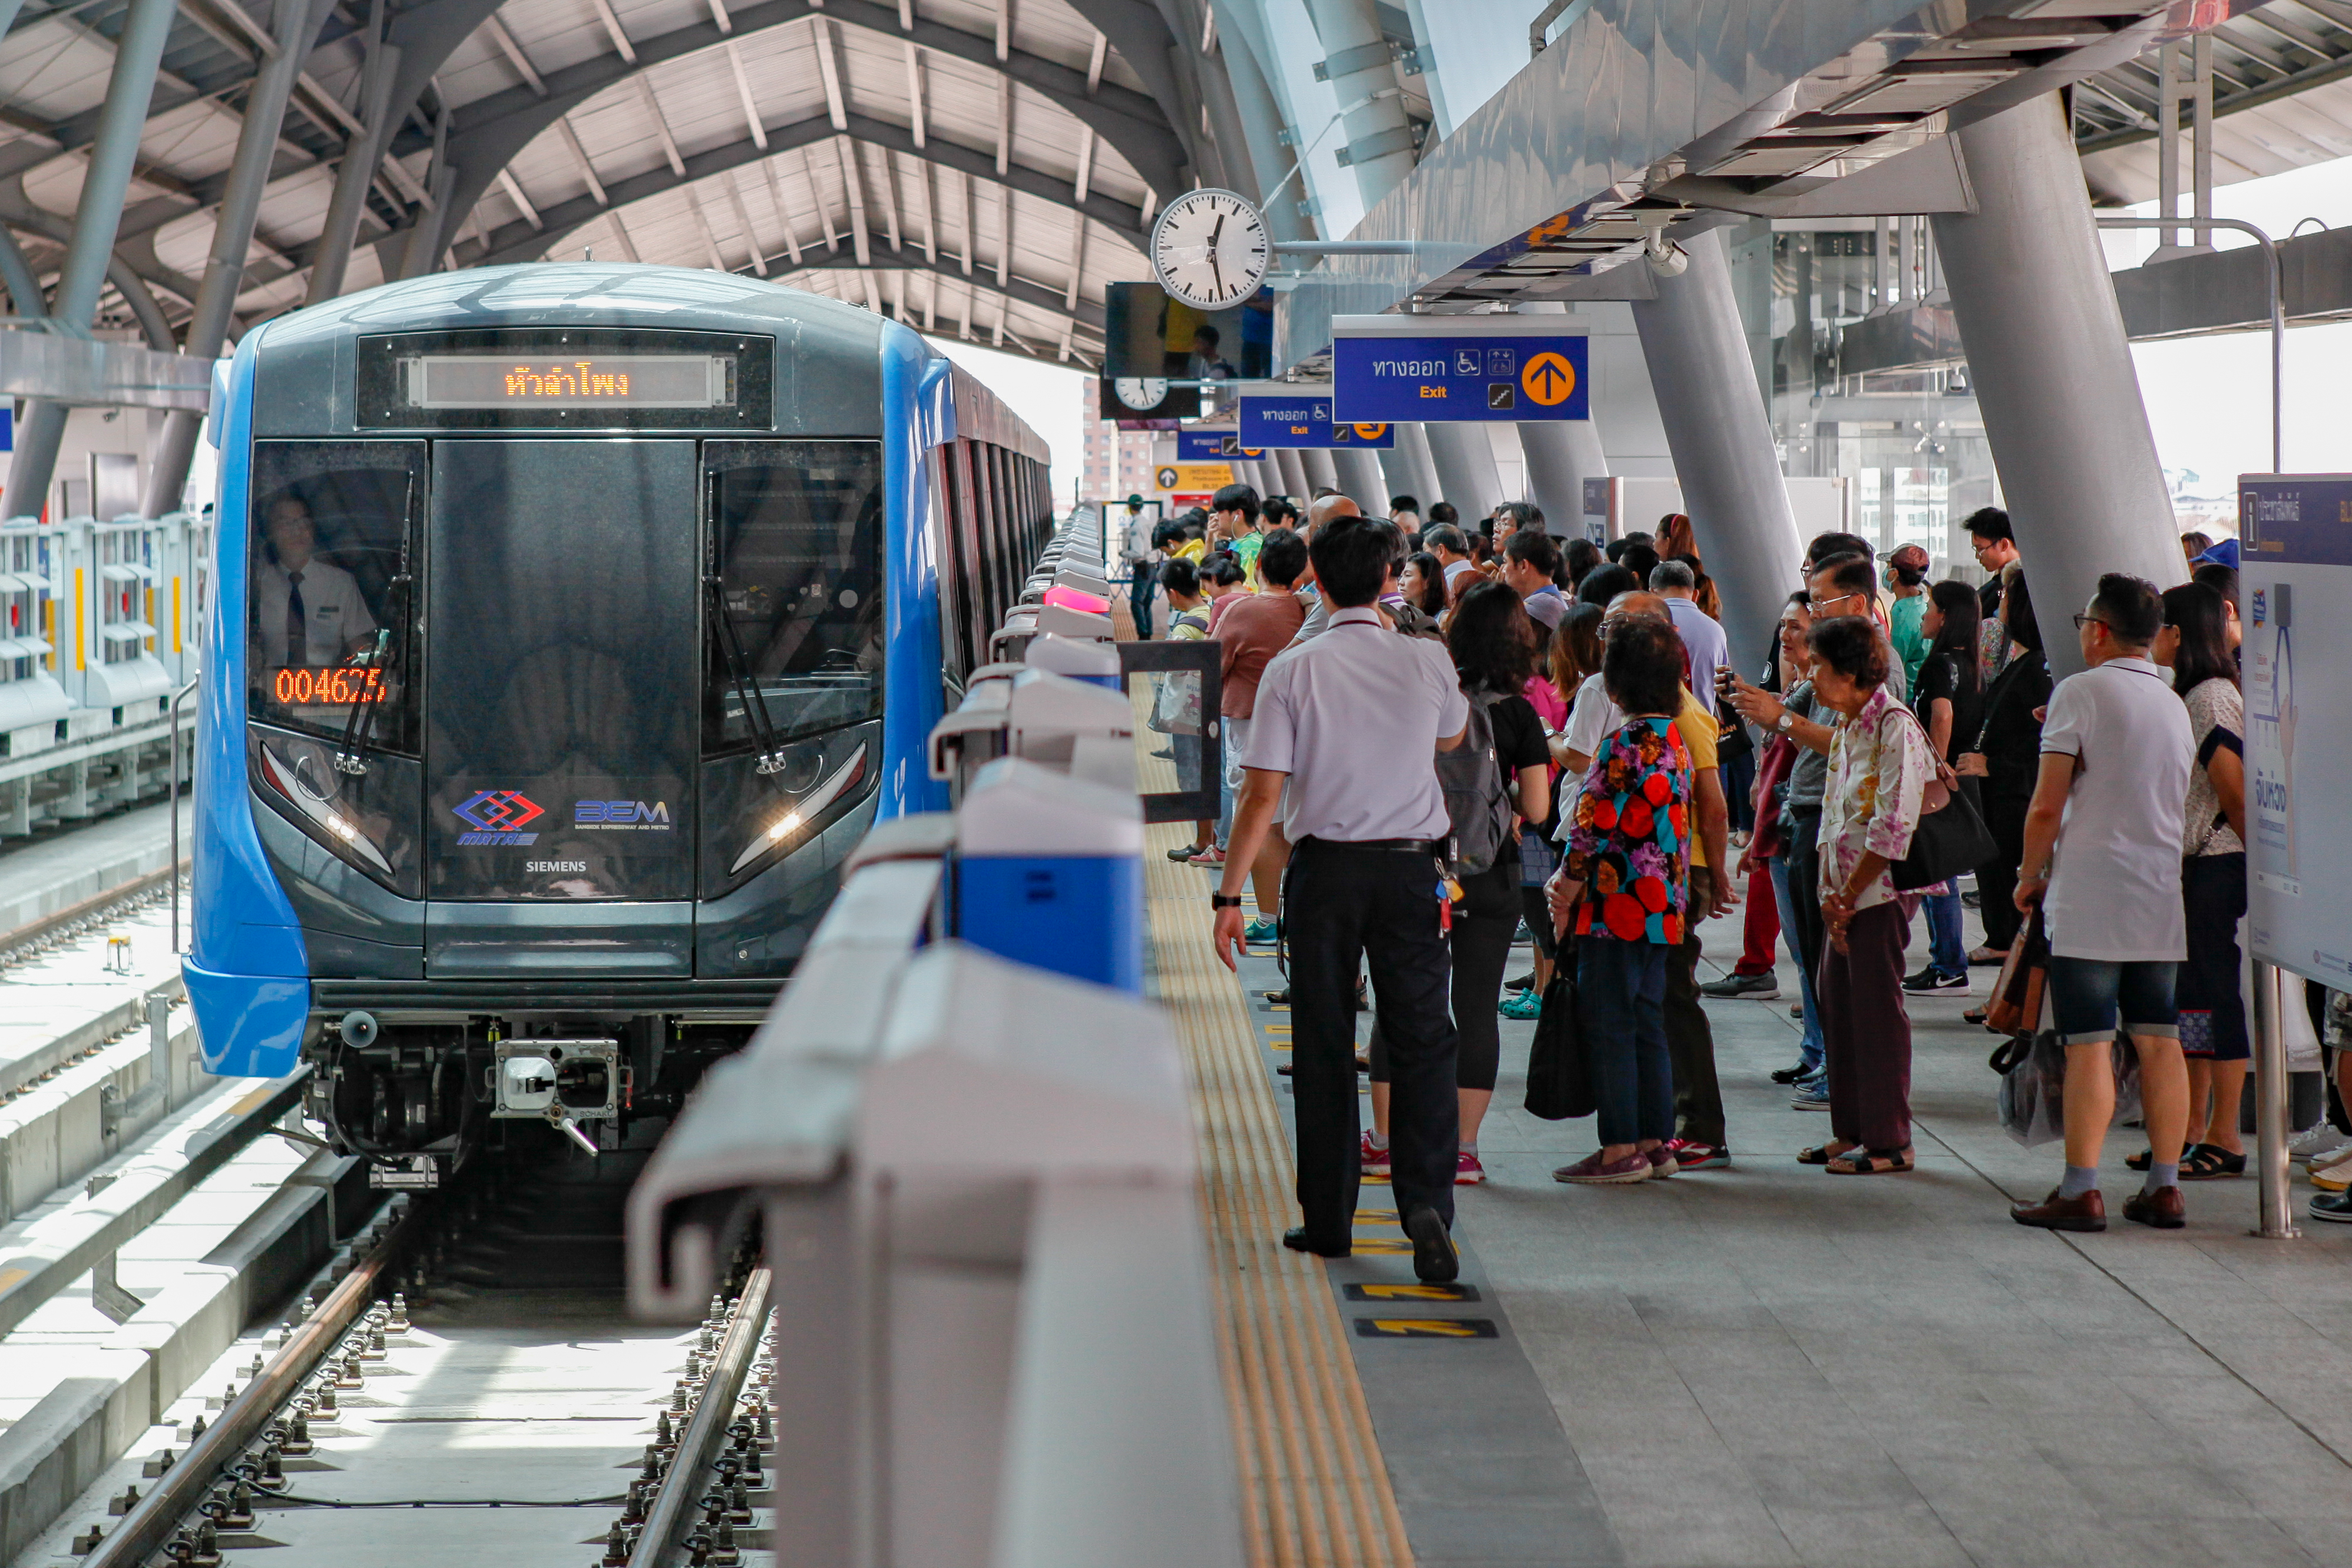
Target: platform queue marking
1426	1329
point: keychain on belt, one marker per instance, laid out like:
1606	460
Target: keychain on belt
1449	893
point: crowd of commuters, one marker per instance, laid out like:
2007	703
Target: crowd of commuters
1601	776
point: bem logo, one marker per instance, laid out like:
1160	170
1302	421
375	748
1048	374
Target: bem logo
621	813
496	814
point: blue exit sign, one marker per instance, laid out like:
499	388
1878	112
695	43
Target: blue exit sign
1303	418
1458	370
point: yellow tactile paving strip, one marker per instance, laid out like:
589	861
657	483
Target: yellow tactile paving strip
1315	1491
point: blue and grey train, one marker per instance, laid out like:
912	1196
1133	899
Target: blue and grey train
574	623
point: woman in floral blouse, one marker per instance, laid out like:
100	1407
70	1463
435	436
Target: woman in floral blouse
1620	893
1880	762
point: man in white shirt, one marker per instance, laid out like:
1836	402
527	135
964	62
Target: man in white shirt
1702	634
304	612
1340	720
2103	855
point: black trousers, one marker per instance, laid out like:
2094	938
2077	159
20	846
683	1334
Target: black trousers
1480	942
1801	833
1341	904
1690	1041
2004	816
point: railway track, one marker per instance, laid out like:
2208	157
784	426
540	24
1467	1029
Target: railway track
466	1387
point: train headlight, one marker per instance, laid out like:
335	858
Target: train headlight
801	812
320	808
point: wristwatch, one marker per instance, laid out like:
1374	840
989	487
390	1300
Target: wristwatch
1220	901
1786	721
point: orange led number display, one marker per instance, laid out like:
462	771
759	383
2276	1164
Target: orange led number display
341	686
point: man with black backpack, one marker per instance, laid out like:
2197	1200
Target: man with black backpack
1339	720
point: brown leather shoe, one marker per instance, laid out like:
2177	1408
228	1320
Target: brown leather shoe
2162	1208
2088	1211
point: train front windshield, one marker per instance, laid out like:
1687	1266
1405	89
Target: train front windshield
507	669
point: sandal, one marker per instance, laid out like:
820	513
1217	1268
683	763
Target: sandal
1822	1155
1869	1163
2139	1162
1973	1016
2212	1162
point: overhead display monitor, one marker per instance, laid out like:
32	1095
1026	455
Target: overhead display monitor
1147	333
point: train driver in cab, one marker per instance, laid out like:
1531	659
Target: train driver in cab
306	612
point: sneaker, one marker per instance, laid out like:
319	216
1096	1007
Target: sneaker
2336	1178
1933	979
1373	1161
1592	1171
1261	930
2323	1139
1467	1171
1211	856
1790	1074
2333	1160
1692	1155
1523	983
2336	1208
1662	1161
1750	987
1523	1006
1811	1096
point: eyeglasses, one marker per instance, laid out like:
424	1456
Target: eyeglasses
1820	605
2081	621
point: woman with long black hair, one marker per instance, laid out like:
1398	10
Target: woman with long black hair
1949	700
2195	645
2006	760
1494	646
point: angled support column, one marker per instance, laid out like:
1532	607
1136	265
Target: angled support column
1722	443
1360	479
2053	370
105	182
1410	470
298	22
1561	455
1294	477
1467	474
361	155
1320	473
24	294
1379	140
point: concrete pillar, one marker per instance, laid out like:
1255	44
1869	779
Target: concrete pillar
1360	479
1294	475
106	180
1466	475
248	176
1360	64
2053	370
1320	473
1398	475
1722	443
1413	445
1561	455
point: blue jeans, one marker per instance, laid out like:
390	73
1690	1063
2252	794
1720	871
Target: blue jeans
1947	954
1620	992
1809	1049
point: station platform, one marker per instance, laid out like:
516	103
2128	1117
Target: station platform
1757	1365
43	877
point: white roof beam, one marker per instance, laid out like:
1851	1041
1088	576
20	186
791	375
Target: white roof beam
620	237
888	194
661	125
1003	124
718	15
743	221
783	210
513	52
1095	64
823	205
743	92
1004	235
971	222
513	188
628	51
1086	162
853	186
1077	273
1003	29
915	91
931	214
580	161
829	67
709	240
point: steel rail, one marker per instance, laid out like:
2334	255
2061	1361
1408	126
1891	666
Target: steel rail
673	1511
180	1489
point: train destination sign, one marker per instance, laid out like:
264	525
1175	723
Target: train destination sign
1275	415
1459	369
569	381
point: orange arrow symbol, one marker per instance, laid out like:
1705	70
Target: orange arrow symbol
1548	379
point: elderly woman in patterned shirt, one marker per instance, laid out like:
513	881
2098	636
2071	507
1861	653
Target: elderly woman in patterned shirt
1880	762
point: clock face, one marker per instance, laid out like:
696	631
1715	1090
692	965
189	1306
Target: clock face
1209	249
1141	392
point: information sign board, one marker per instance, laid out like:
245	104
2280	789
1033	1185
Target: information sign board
2294	573
1302	417
1458	369
1214	446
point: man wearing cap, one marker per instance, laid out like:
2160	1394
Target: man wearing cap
1906	579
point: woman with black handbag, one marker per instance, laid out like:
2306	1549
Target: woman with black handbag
1949	701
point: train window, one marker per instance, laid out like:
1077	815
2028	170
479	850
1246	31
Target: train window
794	633
332	603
